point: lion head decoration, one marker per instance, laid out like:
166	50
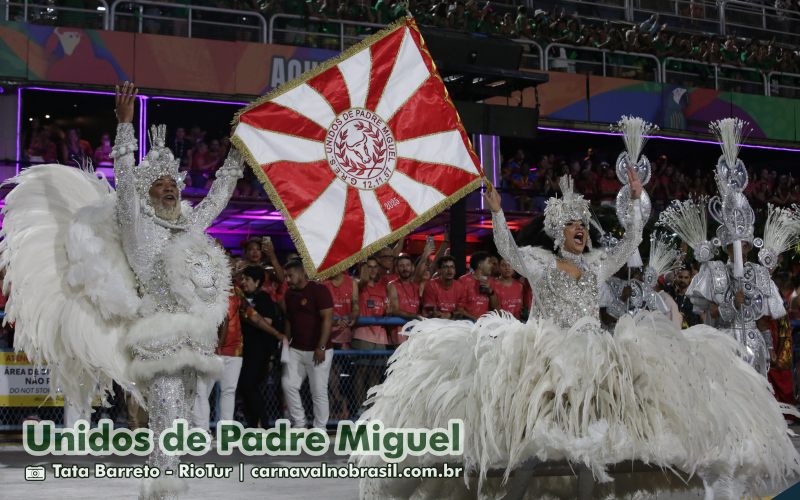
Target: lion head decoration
199	276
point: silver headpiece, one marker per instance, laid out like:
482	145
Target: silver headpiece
559	212
158	163
731	208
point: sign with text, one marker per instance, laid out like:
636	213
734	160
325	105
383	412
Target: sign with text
22	384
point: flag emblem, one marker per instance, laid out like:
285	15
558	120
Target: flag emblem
361	150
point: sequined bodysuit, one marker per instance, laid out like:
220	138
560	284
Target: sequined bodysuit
559	296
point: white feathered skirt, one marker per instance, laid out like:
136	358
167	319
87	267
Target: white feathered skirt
676	399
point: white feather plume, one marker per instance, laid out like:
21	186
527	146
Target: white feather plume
782	229
729	133
53	291
688	219
634	132
664	256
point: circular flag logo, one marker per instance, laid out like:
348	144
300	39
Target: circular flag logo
361	149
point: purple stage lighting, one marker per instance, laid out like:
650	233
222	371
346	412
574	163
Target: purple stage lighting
187	99
679	139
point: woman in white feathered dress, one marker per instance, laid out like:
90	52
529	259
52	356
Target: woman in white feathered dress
560	388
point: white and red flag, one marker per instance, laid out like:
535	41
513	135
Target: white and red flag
361	150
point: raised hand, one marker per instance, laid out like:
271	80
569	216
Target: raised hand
635	183
125	99
492	198
267	248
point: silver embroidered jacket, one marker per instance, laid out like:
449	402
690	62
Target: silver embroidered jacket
715	284
557	295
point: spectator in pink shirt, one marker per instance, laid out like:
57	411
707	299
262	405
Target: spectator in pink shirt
479	296
373	300
509	290
444	295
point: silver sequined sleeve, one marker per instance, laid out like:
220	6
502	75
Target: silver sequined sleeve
618	256
523	261
220	193
123	151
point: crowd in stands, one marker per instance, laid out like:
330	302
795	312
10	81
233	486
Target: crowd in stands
543	25
559	26
201	153
531	181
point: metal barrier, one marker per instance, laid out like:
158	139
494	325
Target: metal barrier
146	16
318	32
742	80
602	10
759	21
601	62
694	16
688	73
43	12
532	56
783	84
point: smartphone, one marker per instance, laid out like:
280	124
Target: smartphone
429	239
266	239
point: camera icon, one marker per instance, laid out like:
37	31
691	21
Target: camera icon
34	473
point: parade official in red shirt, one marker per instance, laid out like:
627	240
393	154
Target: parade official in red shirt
373	301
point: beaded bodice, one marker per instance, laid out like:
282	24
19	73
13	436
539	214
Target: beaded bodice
565	299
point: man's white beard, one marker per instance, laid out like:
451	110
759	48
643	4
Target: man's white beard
166	213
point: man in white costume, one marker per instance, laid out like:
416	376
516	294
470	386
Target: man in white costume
180	272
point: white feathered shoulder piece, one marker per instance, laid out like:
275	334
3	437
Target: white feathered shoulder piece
71	292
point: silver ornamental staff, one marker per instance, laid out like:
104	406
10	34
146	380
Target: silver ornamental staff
635	132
